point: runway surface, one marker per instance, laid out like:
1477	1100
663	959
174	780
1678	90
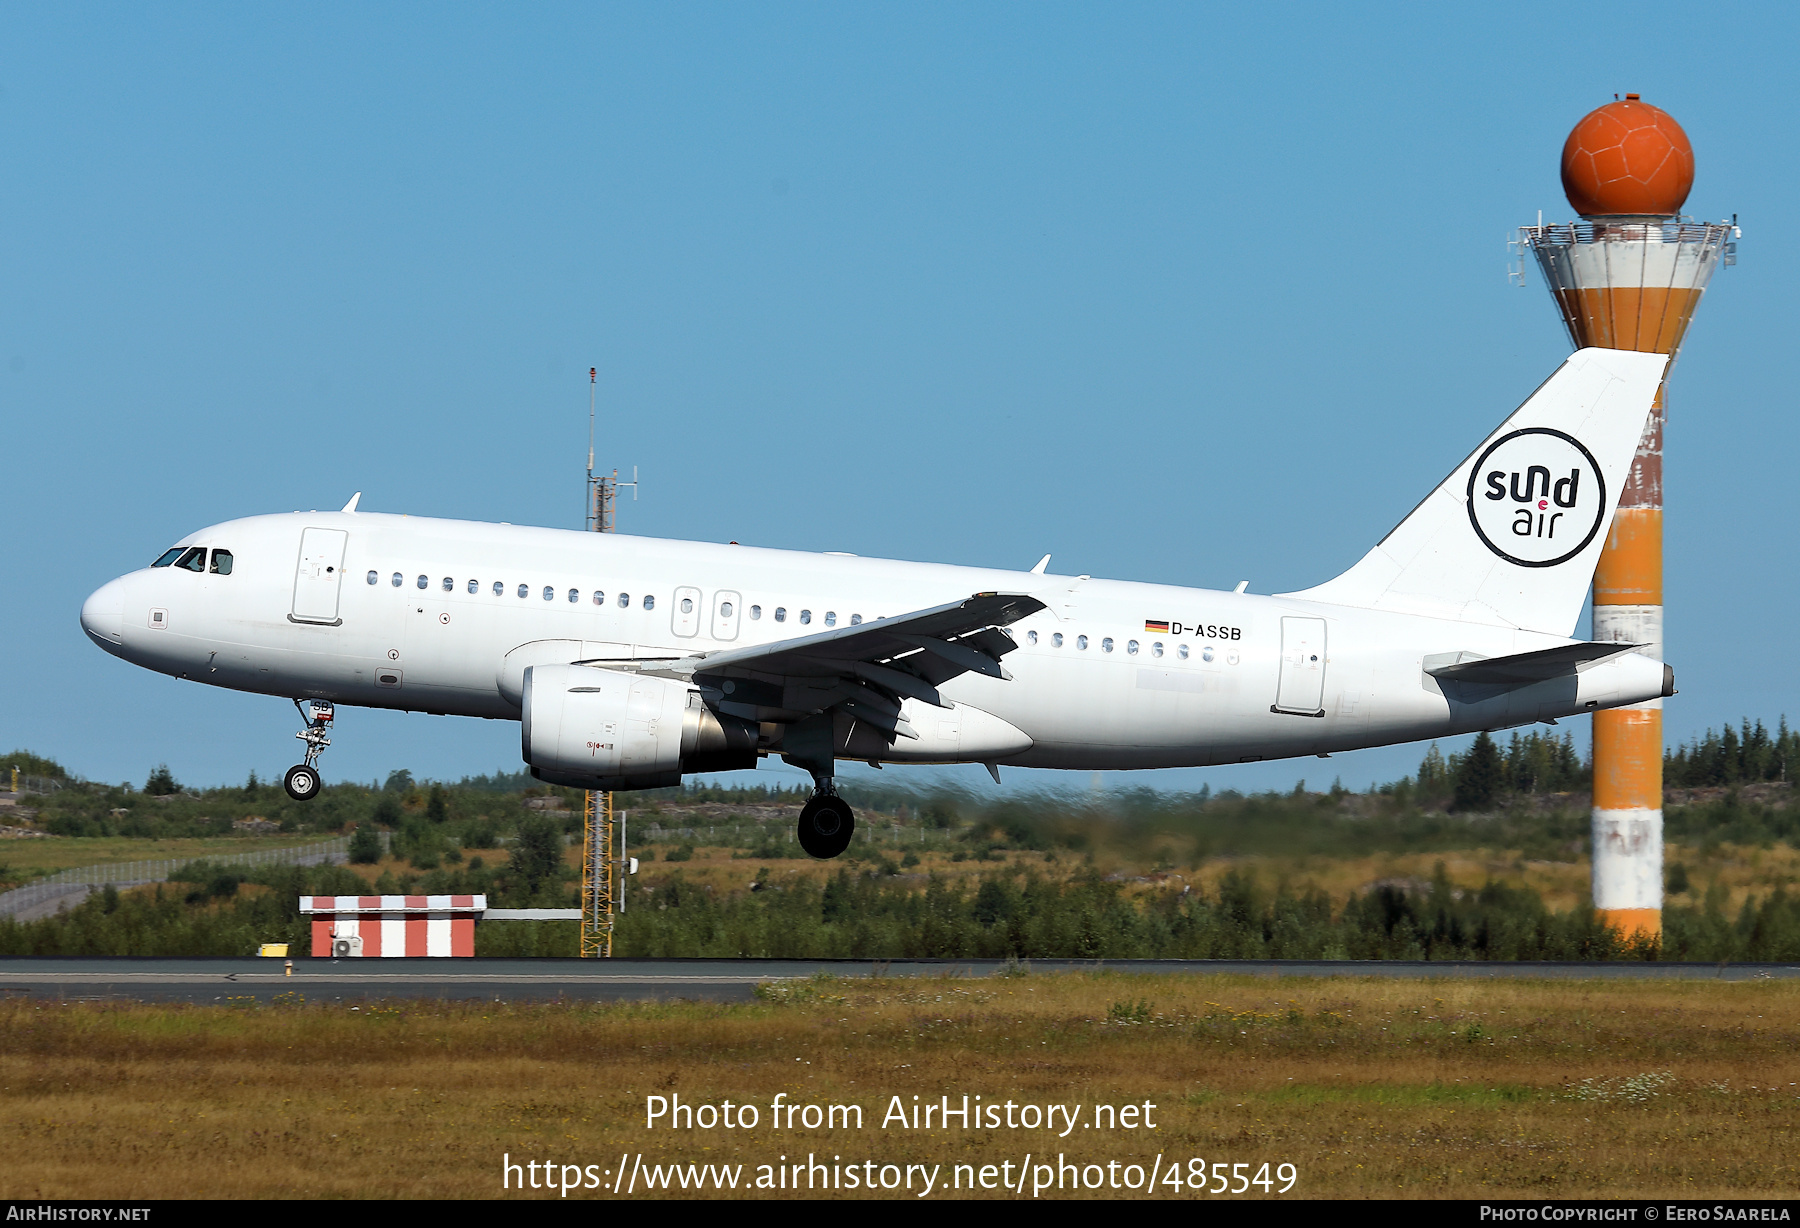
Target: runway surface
725	980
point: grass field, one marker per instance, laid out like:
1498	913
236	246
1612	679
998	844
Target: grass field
21	861
1380	1088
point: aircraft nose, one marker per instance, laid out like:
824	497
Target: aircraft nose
103	615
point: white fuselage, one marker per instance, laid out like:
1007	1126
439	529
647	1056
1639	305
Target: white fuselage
1096	683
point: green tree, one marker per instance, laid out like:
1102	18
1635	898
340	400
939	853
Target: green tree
365	845
1480	777
437	808
161	782
537	858
387	811
1434	774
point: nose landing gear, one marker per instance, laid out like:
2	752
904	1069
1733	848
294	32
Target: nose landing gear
826	821
302	780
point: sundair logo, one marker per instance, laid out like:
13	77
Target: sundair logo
1536	497
1535	517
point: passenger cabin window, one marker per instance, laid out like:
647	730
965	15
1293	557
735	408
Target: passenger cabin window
687	605
755	612
424	581
1081	641
499	588
549	593
1156	649
1131	647
398	580
599	596
805	617
649	602
574	596
725	609
1031	637
1056	639
780	613
831	618
624	601
373	577
474	586
168	556
1106	644
524	591
856	620
192	559
221	563
449	584
1182	652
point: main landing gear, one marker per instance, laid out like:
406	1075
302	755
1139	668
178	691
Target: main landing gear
826	821
302	780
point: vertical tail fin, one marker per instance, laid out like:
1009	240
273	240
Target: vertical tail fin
1511	537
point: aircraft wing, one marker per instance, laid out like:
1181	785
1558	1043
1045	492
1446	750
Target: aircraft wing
867	670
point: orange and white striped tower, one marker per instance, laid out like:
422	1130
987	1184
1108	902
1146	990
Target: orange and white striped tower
1629	276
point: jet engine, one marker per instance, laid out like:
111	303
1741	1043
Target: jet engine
603	729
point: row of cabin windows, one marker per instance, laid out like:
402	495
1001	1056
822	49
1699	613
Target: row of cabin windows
830	617
193	558
448	584
780	614
648	602
1131	646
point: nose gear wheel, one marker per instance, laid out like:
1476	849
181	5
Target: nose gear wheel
302	780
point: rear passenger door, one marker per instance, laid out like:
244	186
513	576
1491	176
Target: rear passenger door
1302	687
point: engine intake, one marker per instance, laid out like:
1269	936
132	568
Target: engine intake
601	729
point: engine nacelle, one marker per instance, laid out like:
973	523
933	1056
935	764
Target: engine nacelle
602	729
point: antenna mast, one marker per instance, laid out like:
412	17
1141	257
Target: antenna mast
601	513
603	861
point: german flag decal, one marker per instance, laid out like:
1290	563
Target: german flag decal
1155	628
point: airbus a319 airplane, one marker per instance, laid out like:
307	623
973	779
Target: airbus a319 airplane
631	661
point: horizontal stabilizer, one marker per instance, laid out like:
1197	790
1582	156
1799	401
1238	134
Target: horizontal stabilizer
1523	668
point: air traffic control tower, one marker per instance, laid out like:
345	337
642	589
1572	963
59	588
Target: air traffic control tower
1629	275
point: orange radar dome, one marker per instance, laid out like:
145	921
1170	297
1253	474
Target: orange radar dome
1627	158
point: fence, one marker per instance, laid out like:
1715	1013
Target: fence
79	881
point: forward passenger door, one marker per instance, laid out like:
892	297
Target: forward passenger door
318	575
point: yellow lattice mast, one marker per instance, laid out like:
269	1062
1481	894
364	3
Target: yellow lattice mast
597	876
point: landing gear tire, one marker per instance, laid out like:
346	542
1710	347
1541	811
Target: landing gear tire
302	780
826	825
301	783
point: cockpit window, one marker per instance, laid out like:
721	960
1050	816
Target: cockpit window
193	559
221	564
168	556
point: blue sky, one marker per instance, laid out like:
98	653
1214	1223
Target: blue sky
1189	293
